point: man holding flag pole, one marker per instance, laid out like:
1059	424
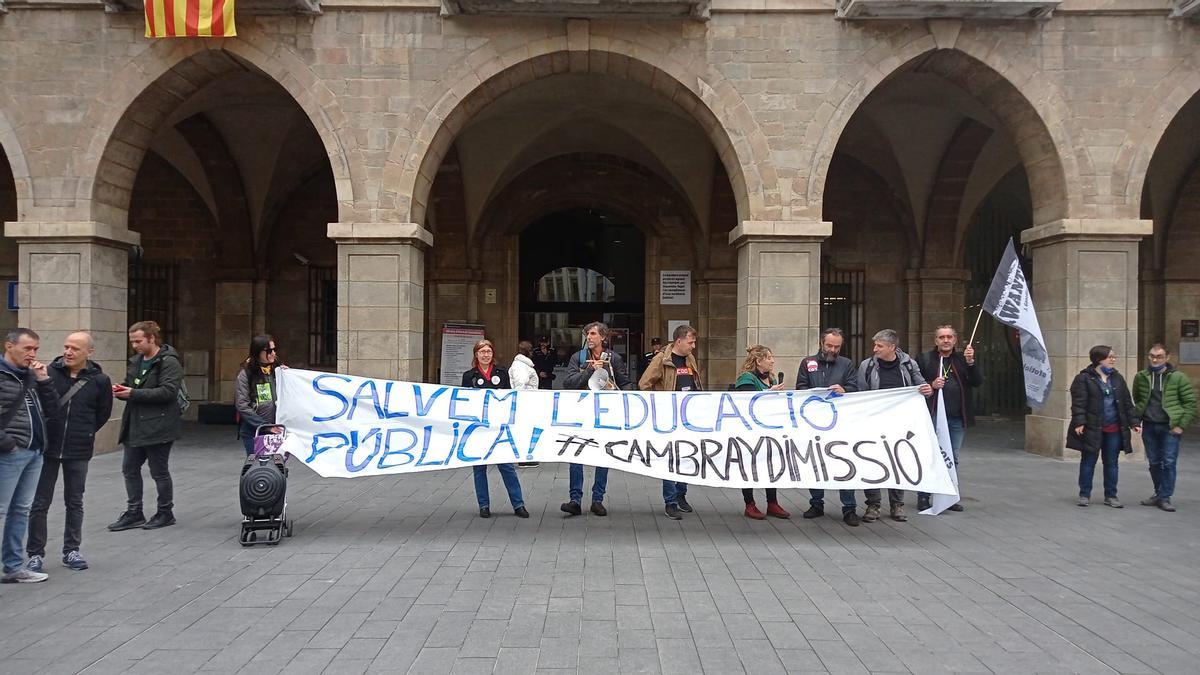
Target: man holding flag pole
952	374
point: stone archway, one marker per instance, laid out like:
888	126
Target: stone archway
718	109
124	119
1038	129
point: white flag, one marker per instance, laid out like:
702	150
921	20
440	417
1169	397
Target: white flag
939	503
1008	299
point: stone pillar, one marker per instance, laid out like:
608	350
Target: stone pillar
779	287
75	276
234	316
1085	290
935	298
381	298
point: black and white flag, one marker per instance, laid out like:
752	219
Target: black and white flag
1010	301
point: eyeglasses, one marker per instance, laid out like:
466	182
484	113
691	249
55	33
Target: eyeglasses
1157	357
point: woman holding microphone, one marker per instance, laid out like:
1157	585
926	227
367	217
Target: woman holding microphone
758	375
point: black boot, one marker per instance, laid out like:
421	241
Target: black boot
160	519
128	521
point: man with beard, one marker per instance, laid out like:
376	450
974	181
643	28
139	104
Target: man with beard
828	369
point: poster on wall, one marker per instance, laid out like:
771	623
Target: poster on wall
675	287
458	339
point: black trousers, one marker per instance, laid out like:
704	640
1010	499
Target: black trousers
748	495
131	466
74	472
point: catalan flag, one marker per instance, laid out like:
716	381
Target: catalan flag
189	18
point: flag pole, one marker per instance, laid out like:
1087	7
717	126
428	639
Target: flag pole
976	328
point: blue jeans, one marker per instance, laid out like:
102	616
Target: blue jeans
246	431
599	483
957	430
817	498
673	490
508	472
1110	451
1162	452
19	474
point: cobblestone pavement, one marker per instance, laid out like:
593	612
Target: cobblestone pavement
397	574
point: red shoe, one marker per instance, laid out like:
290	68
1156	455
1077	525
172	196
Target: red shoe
753	512
776	511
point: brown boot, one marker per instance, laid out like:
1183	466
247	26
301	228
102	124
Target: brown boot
898	513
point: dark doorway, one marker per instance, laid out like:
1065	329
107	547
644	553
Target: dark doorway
580	266
1005	213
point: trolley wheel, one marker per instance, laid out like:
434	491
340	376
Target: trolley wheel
287	529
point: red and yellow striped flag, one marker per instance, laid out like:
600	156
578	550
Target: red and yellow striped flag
189	18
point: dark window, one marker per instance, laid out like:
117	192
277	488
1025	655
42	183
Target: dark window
843	306
322	316
154	296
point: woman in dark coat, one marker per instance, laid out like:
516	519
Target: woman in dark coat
1101	420
485	373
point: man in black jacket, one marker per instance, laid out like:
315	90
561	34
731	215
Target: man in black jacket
27	412
150	423
955	373
84	404
827	369
580	370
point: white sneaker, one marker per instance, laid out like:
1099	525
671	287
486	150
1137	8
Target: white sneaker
23	576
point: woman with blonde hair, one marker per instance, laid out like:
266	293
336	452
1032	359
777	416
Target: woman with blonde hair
758	374
485	373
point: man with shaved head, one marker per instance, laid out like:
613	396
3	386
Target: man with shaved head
84	404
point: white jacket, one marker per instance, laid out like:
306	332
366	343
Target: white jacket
521	374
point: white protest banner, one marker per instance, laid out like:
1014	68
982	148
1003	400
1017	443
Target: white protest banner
346	426
939	503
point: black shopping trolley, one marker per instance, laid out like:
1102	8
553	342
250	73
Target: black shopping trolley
263	489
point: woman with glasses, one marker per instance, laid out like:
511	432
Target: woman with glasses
1101	420
255	391
485	373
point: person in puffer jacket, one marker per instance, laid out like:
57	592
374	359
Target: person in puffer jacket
523	375
1165	401
84	403
27	413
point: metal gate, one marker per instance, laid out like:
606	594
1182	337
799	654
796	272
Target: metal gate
843	305
322	316
154	296
1003	215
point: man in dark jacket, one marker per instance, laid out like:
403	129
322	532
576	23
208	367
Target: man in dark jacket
544	359
828	369
84	405
1165	402
150	423
27	412
581	369
955	373
888	368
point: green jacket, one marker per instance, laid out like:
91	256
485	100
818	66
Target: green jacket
1178	400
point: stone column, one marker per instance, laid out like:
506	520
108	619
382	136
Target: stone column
779	287
1085	290
234	317
935	298
75	276
381	298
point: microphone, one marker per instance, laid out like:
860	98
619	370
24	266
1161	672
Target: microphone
780	380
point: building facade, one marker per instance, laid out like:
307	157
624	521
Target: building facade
351	175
